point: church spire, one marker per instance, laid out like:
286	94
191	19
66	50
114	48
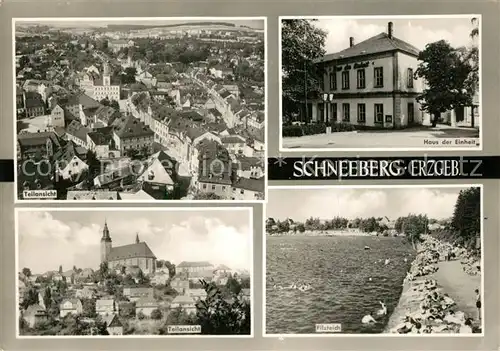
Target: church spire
137	238
105	232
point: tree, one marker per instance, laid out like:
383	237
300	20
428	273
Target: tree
466	220
26	272
30	298
103	270
270	223
217	316
128	76
446	72
156	314
89	308
412	226
105	102
301	228
47	298
171	269
233	285
302	43
114	104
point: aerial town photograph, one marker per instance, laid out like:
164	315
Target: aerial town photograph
134	272
140	110
385	82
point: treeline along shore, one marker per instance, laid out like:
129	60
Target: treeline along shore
442	289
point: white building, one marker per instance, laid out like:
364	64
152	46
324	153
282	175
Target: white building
370	84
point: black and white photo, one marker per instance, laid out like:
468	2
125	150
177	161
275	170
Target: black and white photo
134	272
380	83
401	260
140	109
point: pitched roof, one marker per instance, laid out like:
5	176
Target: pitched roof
104	303
131	251
246	163
147	302
91	195
100	138
223	267
84	100
73	302
131	127
76	129
188	264
233	139
34	139
213	172
376	44
160	169
183	299
256	185
139	195
112	321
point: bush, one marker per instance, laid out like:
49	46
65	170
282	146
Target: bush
315	128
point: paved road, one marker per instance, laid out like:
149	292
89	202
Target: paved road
459	285
406	138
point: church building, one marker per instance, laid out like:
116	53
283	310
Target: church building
133	255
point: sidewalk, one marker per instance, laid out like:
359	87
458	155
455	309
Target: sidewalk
415	137
459	285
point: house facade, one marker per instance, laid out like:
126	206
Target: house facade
70	306
370	84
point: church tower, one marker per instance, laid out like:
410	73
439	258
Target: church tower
137	238
106	75
105	243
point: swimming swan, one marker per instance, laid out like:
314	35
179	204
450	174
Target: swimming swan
383	310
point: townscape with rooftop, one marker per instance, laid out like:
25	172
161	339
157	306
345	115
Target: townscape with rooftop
140	112
132	292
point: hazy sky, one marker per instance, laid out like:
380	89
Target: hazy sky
48	239
416	31
257	24
326	203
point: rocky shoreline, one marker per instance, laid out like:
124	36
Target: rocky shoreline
423	307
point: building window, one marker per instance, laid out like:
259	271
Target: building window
213	187
242	191
410	78
379	113
346	117
411	113
361	113
361	78
333	81
333	113
379	77
345	80
204	186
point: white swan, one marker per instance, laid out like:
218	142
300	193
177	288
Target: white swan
368	319
383	310
387	261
